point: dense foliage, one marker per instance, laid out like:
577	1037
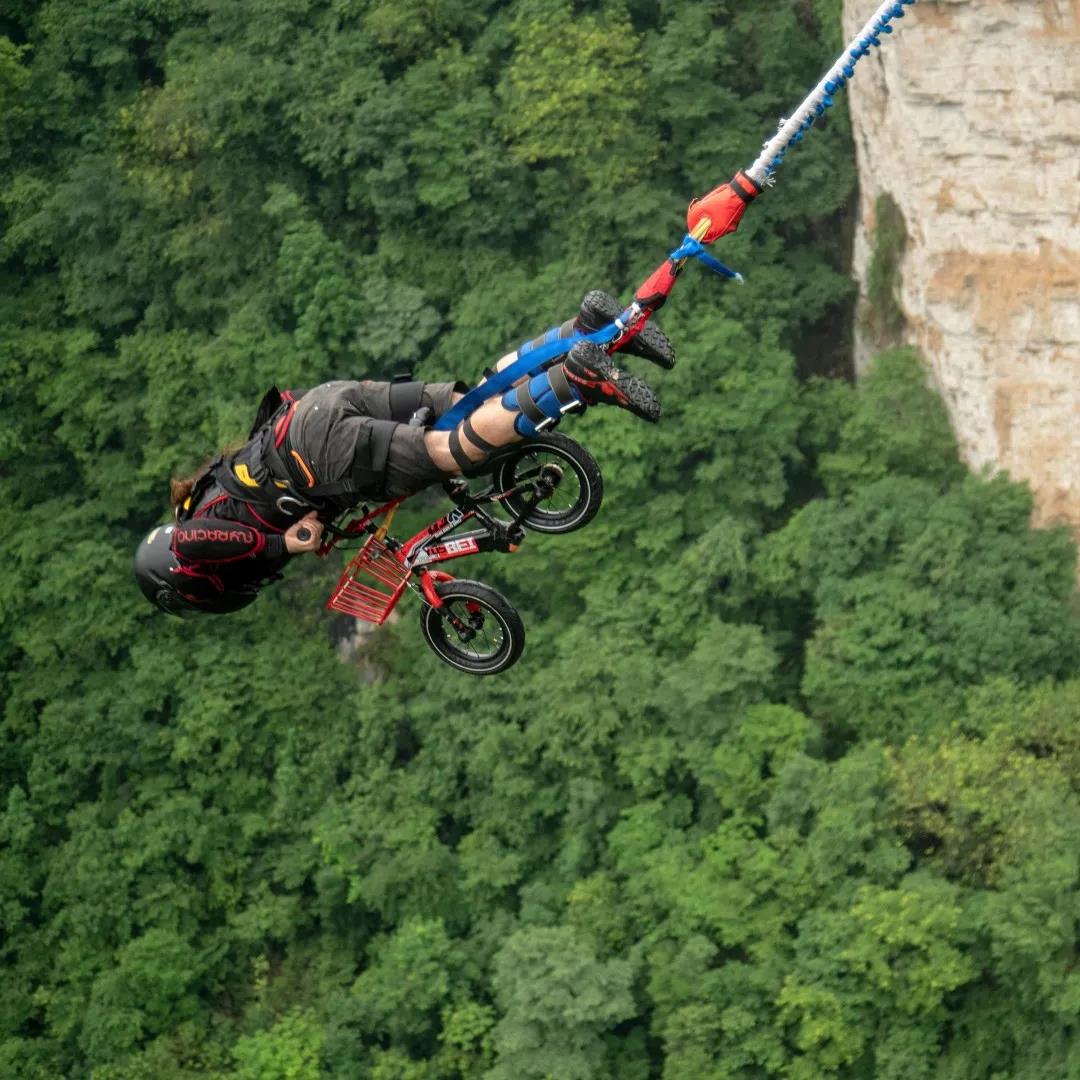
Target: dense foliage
786	783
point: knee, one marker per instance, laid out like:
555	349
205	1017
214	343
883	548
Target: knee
437	444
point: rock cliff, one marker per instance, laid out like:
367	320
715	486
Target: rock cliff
967	123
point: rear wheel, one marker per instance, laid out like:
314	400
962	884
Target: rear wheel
476	630
575	500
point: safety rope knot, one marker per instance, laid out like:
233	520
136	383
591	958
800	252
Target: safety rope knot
694	249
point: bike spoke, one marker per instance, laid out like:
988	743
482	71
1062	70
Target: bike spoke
565	495
485	642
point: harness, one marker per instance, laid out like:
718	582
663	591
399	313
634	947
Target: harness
274	481
368	477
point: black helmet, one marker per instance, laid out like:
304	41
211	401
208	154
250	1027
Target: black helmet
157	570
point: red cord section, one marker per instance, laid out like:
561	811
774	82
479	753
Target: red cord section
720	212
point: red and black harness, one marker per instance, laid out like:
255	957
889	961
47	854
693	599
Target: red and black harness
274	481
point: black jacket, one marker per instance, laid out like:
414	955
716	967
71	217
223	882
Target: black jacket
324	449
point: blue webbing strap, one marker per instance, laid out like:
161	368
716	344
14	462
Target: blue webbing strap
529	362
692	248
532	358
547	338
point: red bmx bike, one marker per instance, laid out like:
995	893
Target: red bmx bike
547	484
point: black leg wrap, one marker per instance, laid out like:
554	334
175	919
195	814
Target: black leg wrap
457	451
477	440
405	399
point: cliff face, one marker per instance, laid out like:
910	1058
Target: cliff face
968	118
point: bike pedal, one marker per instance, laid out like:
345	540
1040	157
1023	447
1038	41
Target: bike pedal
456	488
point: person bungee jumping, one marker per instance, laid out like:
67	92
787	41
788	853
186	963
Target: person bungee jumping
313	455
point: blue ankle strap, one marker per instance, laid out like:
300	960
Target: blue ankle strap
541	402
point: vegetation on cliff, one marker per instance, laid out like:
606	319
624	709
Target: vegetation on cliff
883	317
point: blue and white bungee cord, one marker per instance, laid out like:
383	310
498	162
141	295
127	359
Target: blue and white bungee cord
793	129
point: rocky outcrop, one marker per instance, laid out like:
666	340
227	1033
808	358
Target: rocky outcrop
969	119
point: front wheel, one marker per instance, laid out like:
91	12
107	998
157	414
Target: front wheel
476	630
575	500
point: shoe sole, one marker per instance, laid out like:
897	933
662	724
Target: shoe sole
641	401
651	343
630	392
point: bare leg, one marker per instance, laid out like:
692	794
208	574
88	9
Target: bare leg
565	330
491	421
504	361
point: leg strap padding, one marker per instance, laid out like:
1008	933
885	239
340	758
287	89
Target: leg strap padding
406	396
526	404
541	402
564	393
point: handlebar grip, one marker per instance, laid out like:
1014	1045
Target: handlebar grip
304	535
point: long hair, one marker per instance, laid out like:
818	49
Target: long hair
181	487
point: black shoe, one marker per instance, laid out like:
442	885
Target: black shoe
591	372
600	308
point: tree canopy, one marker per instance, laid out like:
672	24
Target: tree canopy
787	783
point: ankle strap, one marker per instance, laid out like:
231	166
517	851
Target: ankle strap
564	393
526	403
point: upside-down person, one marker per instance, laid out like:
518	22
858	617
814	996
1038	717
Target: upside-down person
314	455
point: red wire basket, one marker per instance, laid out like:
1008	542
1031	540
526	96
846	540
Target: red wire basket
371	584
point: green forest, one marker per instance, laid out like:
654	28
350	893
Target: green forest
787	781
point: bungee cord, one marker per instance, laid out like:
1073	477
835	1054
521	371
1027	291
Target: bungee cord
794	129
708	218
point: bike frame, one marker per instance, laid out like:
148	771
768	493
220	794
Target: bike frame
433	544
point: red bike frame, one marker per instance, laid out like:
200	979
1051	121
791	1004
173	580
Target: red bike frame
377	576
